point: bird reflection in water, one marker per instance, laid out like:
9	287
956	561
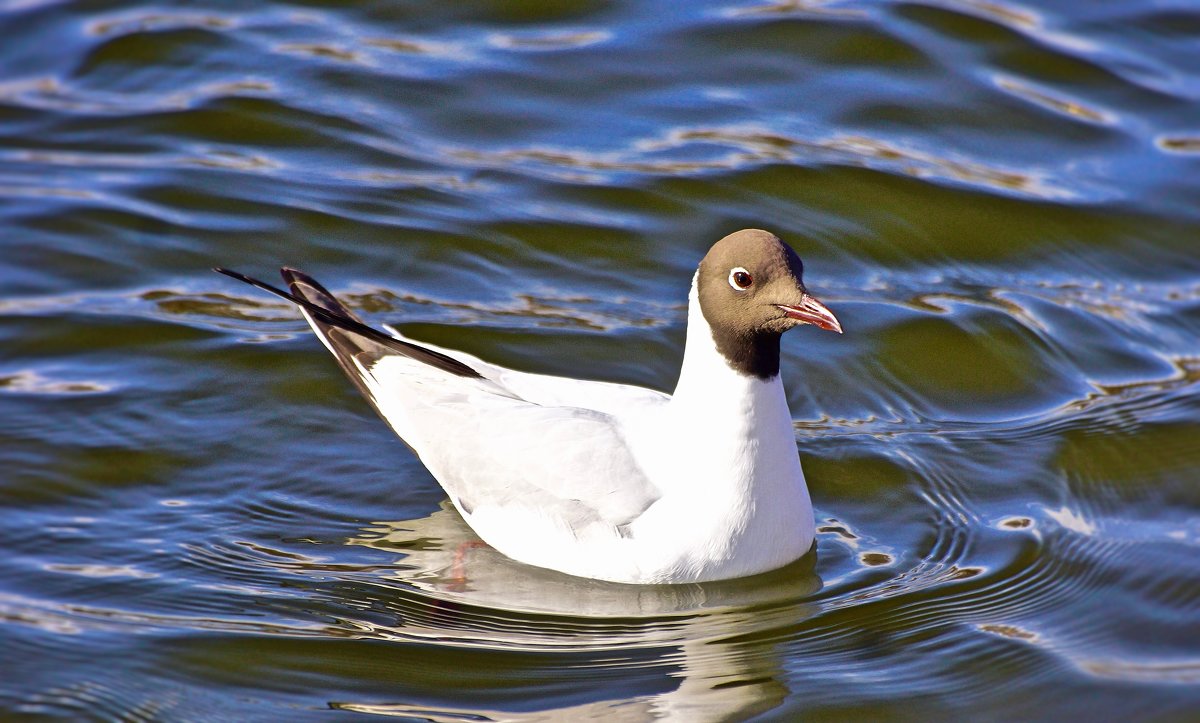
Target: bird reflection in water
706	651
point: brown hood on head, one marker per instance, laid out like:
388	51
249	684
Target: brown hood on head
751	290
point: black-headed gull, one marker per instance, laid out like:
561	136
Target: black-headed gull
603	480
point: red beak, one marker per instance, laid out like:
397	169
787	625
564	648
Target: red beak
812	311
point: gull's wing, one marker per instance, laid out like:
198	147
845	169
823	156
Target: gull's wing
549	390
500	442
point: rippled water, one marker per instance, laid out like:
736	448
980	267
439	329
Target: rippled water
201	520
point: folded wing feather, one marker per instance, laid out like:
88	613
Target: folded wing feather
494	437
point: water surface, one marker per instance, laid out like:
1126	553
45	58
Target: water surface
202	520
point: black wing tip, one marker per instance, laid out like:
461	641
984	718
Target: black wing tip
342	319
255	283
291	273
293	276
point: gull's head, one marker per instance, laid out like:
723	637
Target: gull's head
752	283
750	287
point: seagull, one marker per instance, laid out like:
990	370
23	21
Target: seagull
602	480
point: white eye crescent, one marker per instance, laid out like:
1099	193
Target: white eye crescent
740	279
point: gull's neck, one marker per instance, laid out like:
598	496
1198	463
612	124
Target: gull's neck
707	377
734	471
738	421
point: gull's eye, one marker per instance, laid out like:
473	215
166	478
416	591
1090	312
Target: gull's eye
740	279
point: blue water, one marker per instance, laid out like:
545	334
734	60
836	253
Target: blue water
201	519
